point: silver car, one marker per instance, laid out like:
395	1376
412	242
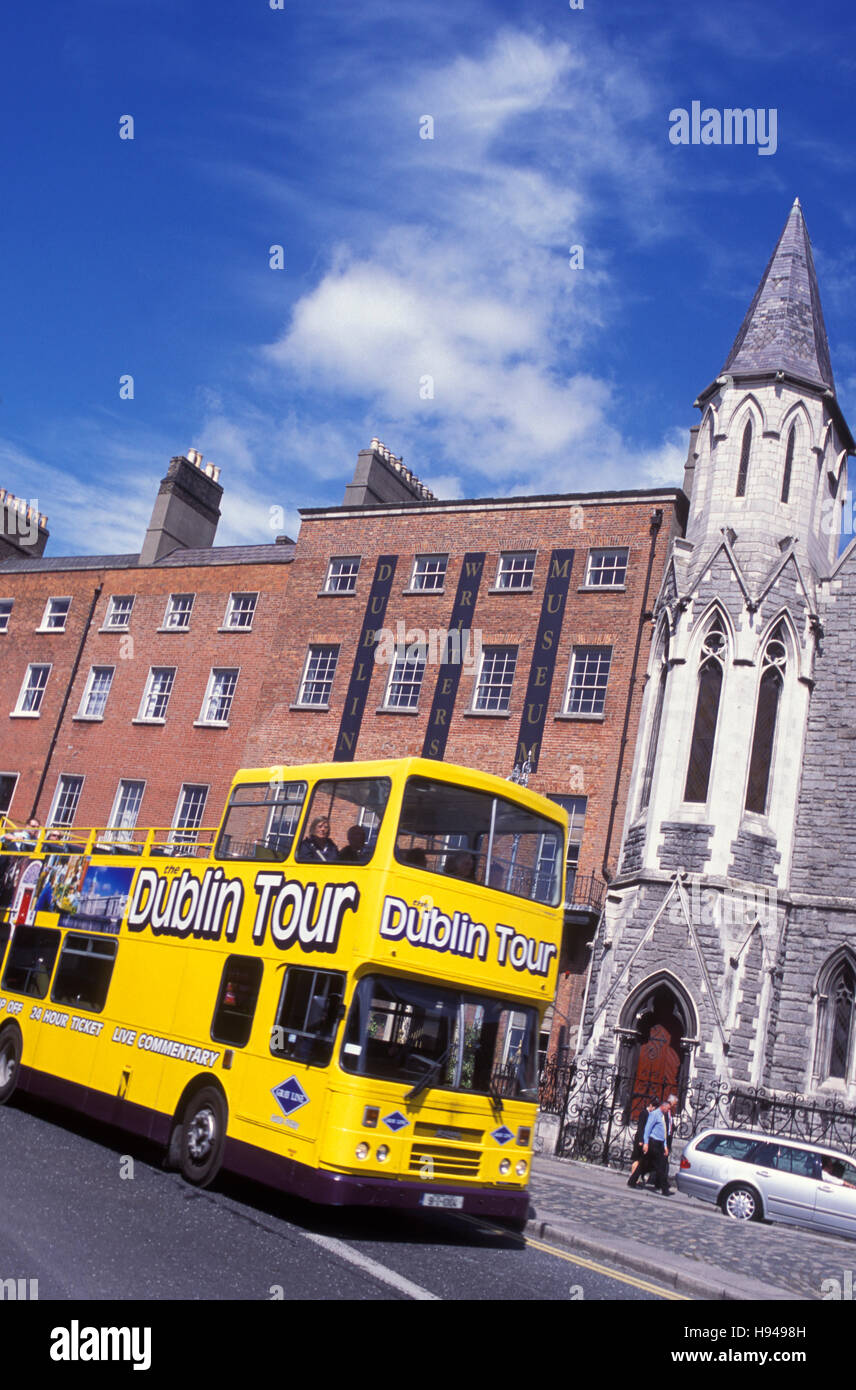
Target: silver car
754	1176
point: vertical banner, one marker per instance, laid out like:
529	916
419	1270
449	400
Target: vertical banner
361	675
544	656
456	649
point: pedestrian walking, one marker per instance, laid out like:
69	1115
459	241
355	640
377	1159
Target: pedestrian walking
656	1146
639	1167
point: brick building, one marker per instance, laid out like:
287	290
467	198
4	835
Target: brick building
486	632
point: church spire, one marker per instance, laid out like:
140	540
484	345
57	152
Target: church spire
784	329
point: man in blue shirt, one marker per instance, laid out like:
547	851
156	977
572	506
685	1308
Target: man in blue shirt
656	1146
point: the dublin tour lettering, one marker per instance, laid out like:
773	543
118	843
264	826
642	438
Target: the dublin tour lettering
210	908
544	657
358	687
449	675
459	935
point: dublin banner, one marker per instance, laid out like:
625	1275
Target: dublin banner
358	688
458	650
544	656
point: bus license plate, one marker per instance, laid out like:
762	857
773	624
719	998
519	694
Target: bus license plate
440	1199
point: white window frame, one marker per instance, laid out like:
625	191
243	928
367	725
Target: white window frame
83	712
416	587
59	795
332	582
232	611
334	647
204	720
576	662
19	712
6	606
399	675
607	552
506	569
142	717
167	625
123	830
186	834
17	777
502	687
47	625
110	624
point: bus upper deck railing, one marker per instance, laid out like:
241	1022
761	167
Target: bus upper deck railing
159	841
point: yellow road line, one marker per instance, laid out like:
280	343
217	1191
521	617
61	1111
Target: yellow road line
596	1268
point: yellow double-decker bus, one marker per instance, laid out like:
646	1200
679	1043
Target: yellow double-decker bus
337	992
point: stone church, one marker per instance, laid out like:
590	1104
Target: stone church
727	950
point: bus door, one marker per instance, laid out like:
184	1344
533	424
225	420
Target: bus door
285	1084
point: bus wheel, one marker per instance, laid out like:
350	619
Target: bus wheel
10	1055
203	1135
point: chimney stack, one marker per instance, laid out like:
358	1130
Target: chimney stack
381	477
23	528
186	510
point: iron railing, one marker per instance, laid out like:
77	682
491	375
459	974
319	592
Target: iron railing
586	890
598	1107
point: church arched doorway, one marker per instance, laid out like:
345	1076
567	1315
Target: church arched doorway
657	1031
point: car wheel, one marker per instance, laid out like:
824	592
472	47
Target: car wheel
11	1047
203	1135
741	1204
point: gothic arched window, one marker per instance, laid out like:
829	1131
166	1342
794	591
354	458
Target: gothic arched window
769	693
744	459
836	1021
789	459
706	713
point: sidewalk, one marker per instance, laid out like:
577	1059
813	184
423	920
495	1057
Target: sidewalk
678	1241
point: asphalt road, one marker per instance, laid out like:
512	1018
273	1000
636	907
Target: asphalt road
92	1216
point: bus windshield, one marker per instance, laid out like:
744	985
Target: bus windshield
401	1030
472	835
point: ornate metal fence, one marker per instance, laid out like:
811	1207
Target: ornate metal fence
597	1109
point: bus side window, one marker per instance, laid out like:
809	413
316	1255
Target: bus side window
309	1013
30	962
236	1002
84	972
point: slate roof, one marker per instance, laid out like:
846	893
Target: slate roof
784	329
215	555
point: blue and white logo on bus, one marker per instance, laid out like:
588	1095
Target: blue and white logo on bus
503	1134
396	1121
290	1095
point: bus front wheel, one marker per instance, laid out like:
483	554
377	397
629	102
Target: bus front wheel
203	1135
10	1056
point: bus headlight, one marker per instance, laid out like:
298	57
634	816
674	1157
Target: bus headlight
505	1166
521	1168
382	1154
362	1150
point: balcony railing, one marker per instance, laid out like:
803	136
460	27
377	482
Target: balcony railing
584	891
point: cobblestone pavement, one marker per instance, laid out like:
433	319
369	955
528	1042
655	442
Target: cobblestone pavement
786	1257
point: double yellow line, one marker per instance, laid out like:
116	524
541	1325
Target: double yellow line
592	1265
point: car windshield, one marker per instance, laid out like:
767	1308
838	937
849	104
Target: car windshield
401	1030
480	838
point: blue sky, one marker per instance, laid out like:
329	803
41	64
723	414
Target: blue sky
405	258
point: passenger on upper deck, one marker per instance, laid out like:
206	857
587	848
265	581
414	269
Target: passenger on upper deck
461	864
355	851
318	847
24	837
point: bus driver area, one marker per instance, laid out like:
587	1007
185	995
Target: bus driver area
336	992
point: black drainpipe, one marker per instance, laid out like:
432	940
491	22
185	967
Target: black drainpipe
65	699
644	616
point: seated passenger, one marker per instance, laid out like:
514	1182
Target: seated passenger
355	851
415	856
318	847
833	1171
461	864
24	837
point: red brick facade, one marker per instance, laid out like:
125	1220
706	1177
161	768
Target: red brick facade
582	755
